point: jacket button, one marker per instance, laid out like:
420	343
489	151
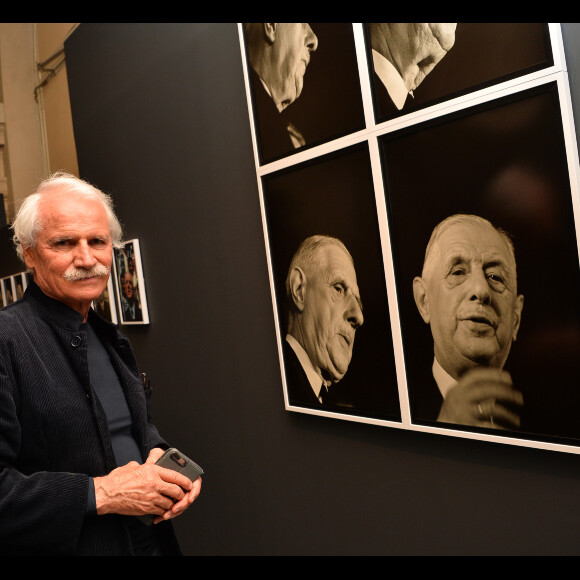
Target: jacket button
76	341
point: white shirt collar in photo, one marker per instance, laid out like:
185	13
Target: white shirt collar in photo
314	378
444	380
391	78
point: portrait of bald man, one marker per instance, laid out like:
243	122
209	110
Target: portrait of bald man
325	311
467	294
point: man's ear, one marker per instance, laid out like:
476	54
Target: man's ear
270	29
420	295
28	255
298	287
519	306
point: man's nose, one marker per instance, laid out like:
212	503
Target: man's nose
479	290
354	313
83	256
311	39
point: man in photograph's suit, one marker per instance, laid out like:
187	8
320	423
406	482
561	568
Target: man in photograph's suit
325	310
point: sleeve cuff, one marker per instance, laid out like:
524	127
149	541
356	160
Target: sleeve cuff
91	500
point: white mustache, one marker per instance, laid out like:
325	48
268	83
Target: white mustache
97	271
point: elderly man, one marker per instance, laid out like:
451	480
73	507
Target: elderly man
278	54
325	312
467	293
77	450
404	54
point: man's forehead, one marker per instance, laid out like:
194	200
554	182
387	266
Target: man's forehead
473	241
60	208
334	257
477	238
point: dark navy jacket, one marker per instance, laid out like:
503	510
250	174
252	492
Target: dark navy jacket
54	434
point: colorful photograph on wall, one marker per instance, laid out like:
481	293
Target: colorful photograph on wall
130	284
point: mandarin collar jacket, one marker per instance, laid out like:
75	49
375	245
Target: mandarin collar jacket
53	430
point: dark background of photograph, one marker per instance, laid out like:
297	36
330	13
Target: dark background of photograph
483	54
277	483
334	196
506	162
330	105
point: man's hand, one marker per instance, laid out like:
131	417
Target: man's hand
136	490
179	507
483	397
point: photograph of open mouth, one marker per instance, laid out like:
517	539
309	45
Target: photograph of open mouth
467	249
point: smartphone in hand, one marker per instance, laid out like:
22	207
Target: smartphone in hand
174	459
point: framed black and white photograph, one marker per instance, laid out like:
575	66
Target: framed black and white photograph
130	284
105	303
303	83
484	144
331	296
416	65
505	161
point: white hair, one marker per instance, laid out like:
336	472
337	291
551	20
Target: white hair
28	223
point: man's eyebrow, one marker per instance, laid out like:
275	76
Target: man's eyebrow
455	259
495	261
63	238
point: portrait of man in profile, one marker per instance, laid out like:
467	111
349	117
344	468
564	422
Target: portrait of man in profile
328	280
278	54
325	311
304	84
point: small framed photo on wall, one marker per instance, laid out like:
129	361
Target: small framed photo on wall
130	284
